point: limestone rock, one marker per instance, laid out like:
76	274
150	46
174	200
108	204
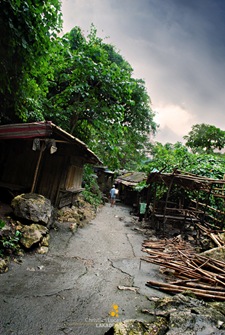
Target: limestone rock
42	250
177	315
33	207
188	315
216	253
45	241
32	234
135	327
67	214
3	265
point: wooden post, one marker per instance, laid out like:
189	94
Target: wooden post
37	168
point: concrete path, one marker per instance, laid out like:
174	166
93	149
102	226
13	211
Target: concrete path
87	281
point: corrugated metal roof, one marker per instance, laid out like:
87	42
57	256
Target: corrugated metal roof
43	130
131	178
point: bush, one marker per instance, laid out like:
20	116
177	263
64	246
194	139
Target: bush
9	241
91	193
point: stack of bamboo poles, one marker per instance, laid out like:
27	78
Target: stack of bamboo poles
203	276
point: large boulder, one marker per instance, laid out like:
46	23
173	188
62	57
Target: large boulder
33	207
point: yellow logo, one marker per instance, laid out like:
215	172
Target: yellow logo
114	311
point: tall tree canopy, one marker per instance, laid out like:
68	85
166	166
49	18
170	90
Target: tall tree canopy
27	29
93	95
205	138
80	83
171	156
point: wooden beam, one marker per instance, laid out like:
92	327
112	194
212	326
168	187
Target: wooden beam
37	168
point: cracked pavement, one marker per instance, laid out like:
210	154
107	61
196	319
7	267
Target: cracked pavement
85	277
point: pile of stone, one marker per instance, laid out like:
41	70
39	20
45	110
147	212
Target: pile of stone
35	214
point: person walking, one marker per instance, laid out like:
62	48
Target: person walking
142	210
112	193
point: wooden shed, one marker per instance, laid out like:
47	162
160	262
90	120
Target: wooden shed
127	183
105	178
42	158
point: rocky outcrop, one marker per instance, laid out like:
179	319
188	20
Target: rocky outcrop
36	215
33	207
135	327
178	315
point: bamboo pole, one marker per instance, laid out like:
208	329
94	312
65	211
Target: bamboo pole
219	295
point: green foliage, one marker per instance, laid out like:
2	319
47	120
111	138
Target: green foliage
140	186
170	156
94	97
91	192
2	224
9	242
167	157
27	30
204	138
80	83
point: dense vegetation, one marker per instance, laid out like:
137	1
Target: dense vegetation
170	156
80	83
27	30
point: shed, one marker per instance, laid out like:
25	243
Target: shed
105	178
42	158
126	183
185	197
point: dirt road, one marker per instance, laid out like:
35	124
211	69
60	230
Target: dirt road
87	281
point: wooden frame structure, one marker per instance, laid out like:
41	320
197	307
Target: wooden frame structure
185	197
127	183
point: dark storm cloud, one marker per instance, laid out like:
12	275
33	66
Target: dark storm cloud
176	46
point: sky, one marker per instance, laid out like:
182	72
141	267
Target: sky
176	46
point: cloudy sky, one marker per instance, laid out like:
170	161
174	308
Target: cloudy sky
176	46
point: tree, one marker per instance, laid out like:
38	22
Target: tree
27	29
94	96
176	156
205	138
82	84
167	157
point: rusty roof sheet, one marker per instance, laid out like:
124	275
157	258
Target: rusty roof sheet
131	178
185	179
44	130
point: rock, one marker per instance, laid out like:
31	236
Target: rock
216	253
6	230
135	327
191	238
73	227
3	265
80	214
177	315
42	250
67	214
188	315
33	207
32	234
45	241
